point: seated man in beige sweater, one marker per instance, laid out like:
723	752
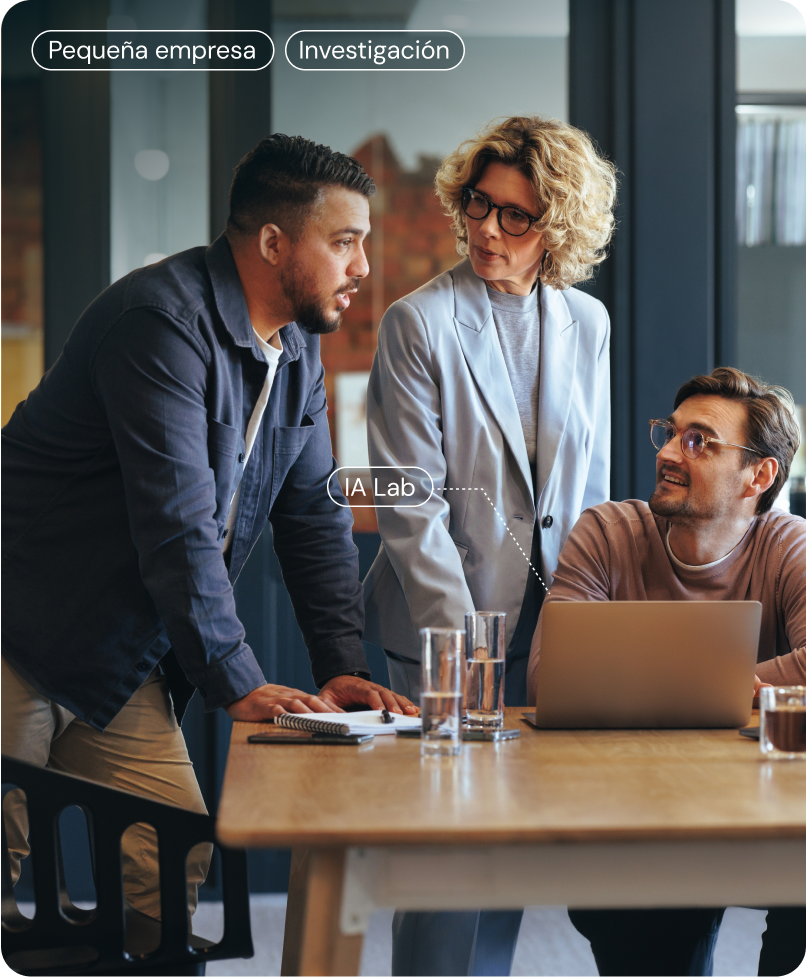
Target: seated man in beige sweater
709	532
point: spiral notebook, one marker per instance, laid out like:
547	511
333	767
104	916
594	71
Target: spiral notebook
344	723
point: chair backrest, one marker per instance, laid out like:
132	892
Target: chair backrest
59	925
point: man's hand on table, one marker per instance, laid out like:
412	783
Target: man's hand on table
267	701
350	690
758	685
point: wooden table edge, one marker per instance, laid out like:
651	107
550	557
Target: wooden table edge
344	839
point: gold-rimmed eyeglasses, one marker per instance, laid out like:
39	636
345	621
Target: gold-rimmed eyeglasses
692	441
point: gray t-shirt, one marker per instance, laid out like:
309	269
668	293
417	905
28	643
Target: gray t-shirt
517	319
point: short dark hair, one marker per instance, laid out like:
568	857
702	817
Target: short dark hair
771	427
279	182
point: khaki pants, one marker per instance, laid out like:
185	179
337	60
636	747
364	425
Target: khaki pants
141	750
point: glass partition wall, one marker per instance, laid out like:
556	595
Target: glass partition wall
771	207
159	153
771	230
22	313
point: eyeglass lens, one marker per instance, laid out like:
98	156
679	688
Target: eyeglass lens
691	442
512	221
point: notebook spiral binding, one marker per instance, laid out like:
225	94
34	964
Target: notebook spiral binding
309	725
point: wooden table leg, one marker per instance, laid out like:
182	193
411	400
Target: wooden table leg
313	943
295	912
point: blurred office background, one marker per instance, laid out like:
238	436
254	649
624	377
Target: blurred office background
701	103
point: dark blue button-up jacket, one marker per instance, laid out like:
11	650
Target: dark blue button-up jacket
118	473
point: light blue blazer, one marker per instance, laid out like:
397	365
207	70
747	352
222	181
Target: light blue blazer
439	397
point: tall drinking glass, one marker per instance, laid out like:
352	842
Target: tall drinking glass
485	644
443	663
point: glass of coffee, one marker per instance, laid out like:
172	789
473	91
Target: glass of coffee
783	722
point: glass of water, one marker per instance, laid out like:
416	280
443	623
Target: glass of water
443	664
783	722
485	644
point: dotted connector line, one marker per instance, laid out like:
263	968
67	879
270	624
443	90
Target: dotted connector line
504	524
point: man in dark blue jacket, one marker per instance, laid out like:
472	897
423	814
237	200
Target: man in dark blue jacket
187	407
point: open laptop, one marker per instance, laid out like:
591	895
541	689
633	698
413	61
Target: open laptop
647	664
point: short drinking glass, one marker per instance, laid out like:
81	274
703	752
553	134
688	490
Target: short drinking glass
485	644
443	663
783	722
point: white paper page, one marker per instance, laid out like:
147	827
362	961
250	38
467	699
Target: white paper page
368	722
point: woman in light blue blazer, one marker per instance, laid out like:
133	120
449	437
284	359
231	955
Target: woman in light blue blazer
494	378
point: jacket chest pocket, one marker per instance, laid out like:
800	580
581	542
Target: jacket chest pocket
225	452
288	445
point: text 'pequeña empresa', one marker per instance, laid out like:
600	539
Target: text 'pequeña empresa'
152	50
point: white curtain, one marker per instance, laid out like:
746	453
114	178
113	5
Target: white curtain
771	181
790	183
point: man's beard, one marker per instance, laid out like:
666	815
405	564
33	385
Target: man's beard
680	510
308	310
687	510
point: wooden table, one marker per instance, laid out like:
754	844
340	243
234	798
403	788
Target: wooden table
588	818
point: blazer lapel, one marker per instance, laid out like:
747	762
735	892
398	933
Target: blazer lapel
479	340
559	337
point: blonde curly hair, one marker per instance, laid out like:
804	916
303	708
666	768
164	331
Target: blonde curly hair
575	190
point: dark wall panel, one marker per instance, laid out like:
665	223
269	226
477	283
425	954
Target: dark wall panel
75	180
654	85
673	210
240	104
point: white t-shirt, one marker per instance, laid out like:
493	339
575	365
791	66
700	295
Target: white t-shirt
272	354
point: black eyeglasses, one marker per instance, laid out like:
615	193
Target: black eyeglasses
692	441
477	205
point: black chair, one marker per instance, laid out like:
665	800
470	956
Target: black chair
113	938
